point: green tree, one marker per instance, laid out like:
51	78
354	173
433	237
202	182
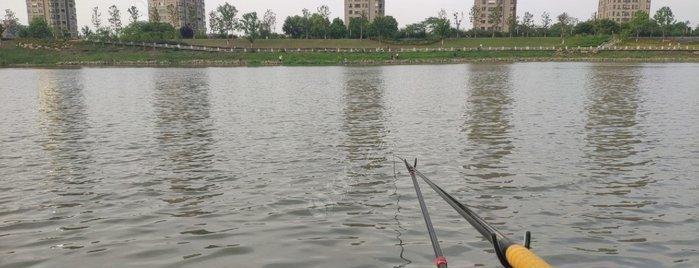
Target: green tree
527	22
153	14
319	26
338	30
173	15
585	28
86	32
680	28
227	15
250	25
2	31
415	30
545	22
494	18
148	31
458	19
665	18
39	29
268	24
639	22
306	22
294	26
191	18
607	26
438	27
216	24
133	14
384	27
115	19
324	12
512	23
564	23
357	27
96	18
475	15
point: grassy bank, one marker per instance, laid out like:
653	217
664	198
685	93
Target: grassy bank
631	42
355	43
88	54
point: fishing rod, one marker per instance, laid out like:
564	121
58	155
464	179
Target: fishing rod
439	258
510	254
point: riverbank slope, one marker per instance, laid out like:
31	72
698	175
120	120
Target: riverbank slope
76	53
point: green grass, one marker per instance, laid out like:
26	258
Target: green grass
79	53
631	42
355	43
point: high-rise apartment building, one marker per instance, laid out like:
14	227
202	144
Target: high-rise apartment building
621	10
179	13
59	14
507	9
369	9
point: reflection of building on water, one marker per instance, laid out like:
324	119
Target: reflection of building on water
487	123
616	166
184	133
364	129
612	129
64	123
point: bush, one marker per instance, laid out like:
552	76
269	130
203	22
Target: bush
38	29
201	35
148	31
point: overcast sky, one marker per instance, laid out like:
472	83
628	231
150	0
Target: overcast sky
405	11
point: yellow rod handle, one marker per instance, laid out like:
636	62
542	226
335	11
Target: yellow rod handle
521	257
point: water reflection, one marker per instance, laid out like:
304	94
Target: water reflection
184	132
364	120
364	126
613	133
64	123
487	125
615	143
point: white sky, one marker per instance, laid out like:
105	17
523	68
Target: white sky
405	11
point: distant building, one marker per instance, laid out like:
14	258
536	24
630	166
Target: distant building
59	14
180	13
621	10
369	9
508	8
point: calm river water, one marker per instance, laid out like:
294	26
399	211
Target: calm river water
294	167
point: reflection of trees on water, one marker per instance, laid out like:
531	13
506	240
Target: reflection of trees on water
64	124
612	129
184	135
364	120
364	127
487	124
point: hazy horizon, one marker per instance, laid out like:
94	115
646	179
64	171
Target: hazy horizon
406	12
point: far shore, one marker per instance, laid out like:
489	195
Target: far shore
205	64
15	54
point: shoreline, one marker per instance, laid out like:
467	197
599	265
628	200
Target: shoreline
242	63
84	54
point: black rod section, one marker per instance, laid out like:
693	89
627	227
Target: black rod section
485	229
426	215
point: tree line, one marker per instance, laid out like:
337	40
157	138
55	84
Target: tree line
662	24
225	23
